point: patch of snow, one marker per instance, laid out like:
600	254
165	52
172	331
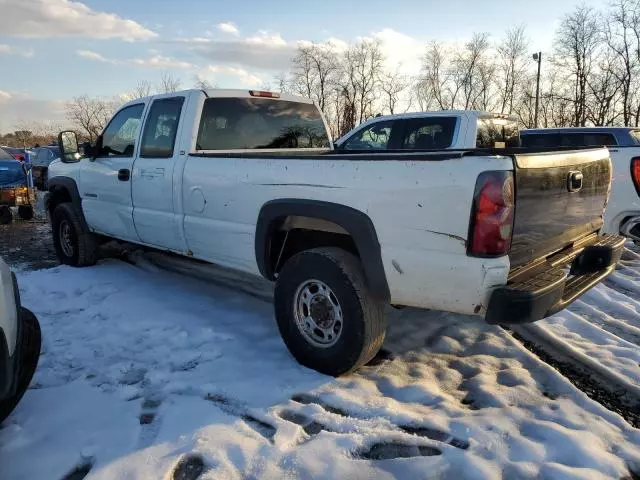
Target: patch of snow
146	367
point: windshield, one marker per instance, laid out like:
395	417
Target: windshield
635	134
258	123
497	133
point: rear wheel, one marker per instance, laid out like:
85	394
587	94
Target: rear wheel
25	212
6	217
326	315
29	355
75	245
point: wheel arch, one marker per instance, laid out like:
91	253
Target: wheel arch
63	190
330	217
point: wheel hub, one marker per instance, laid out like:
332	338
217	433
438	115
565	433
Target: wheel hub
66	242
318	314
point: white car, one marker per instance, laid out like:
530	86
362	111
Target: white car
19	343
449	219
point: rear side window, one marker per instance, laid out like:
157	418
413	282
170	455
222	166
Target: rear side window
497	133
161	127
259	123
428	133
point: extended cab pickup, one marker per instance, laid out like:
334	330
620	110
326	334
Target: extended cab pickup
623	210
248	180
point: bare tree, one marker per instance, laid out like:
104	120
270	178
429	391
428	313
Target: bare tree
168	83
622	35
89	115
434	80
467	66
576	46
202	83
142	89
512	68
394	86
604	93
364	65
313	72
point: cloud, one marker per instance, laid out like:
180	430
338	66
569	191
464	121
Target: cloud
65	18
92	55
243	76
154	61
229	28
19	108
11	50
264	51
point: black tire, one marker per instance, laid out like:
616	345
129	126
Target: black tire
6	217
25	212
29	355
364	321
82	246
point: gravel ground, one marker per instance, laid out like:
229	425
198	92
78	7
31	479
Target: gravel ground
27	245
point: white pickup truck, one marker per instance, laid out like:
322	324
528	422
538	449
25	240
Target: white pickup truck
249	180
623	210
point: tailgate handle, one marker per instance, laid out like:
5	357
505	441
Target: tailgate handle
574	181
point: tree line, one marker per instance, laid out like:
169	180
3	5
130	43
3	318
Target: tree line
590	77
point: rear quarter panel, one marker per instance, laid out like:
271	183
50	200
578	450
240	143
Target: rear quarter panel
624	200
420	209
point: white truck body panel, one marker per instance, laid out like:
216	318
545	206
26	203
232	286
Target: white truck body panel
8	308
624	201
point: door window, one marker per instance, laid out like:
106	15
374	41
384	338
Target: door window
161	128
119	138
374	137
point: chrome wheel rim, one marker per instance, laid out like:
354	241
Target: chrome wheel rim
318	314
64	235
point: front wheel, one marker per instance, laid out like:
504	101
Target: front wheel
327	317
6	217
25	212
75	245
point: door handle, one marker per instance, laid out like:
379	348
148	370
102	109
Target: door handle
124	174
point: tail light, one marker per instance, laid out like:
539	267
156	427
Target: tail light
635	173
492	215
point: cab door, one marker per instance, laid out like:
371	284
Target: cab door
105	182
155	179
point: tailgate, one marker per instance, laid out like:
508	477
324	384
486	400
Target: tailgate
553	208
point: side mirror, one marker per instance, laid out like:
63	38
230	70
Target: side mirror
68	142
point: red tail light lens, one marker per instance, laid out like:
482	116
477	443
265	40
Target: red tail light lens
492	215
635	173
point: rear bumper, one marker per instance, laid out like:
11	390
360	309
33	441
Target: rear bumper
543	288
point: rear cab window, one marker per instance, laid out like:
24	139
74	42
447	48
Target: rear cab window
568	139
260	123
497	132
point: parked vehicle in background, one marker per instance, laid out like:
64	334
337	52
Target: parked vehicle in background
14	189
40	160
444	130
623	210
248	180
17	153
20	341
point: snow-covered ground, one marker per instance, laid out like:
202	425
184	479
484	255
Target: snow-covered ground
142	368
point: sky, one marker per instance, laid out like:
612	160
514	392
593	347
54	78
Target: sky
53	50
